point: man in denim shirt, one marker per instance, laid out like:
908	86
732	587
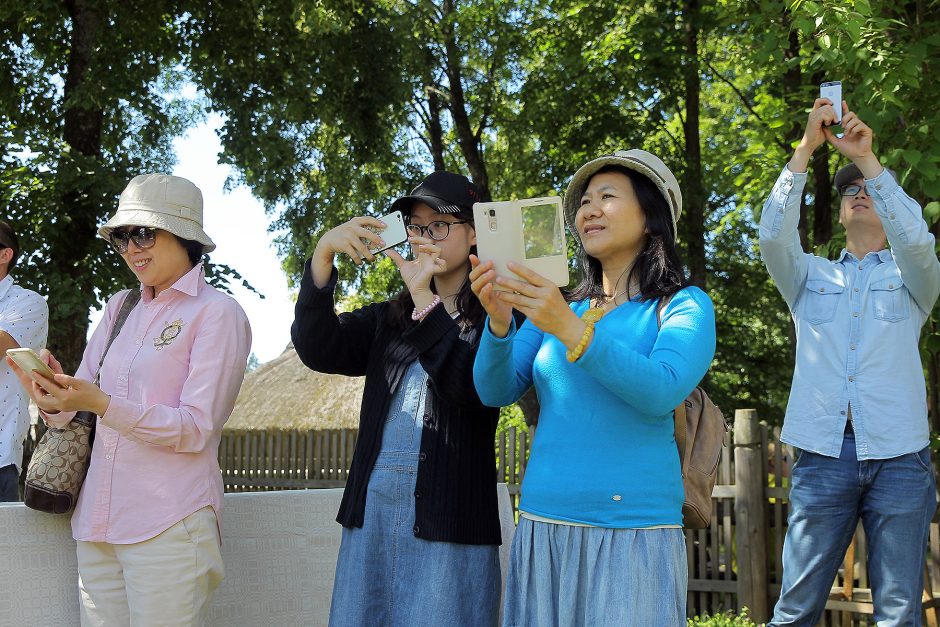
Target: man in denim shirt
857	413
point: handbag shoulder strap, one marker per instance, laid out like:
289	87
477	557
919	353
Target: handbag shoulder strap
130	301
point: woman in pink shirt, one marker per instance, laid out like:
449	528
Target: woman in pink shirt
147	518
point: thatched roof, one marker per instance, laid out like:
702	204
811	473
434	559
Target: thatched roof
285	394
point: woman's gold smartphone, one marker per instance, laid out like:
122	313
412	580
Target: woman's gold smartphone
28	360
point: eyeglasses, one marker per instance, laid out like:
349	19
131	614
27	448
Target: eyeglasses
142	236
437	230
853	190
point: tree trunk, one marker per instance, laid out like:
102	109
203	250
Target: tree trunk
793	101
435	132
469	143
68	320
822	197
822	186
694	192
792	89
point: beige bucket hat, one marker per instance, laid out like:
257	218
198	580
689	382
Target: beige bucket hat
643	162
161	201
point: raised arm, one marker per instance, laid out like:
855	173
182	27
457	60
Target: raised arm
780	245
912	243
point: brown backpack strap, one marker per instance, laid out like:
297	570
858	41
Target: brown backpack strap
680	428
660	307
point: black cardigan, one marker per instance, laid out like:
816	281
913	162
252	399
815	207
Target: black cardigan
455	493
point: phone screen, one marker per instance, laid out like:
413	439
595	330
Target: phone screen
542	231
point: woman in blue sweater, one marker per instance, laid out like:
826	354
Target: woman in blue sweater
600	537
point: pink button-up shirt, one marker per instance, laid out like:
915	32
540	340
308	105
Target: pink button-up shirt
173	374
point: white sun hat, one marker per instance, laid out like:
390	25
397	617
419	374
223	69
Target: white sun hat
643	162
161	201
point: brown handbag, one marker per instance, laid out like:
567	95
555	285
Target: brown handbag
59	464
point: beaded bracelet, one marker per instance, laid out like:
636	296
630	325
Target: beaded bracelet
589	318
419	315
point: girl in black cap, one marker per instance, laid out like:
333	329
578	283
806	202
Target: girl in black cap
420	515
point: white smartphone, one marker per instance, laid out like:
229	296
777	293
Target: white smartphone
393	235
530	232
28	360
833	91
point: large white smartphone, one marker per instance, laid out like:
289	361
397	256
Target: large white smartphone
833	91
393	235
530	232
28	360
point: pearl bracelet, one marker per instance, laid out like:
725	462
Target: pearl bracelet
419	315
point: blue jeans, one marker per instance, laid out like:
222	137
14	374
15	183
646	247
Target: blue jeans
9	484
895	500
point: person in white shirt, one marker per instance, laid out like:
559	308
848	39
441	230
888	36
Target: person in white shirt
24	322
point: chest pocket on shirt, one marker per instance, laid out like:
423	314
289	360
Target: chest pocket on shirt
822	298
889	302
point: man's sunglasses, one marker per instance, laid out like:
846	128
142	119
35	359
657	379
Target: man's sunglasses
142	236
853	190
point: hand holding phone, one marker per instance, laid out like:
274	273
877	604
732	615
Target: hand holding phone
833	91
29	361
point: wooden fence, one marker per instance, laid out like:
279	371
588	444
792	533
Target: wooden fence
736	562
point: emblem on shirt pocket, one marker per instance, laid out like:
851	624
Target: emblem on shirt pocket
168	334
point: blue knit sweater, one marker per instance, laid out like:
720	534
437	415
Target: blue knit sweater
605	451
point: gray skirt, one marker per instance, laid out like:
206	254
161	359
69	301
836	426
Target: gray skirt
567	576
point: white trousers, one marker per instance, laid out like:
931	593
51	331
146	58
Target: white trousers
166	580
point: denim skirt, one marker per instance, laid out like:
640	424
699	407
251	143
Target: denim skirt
387	576
567	576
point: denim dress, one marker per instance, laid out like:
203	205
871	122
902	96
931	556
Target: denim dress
387	576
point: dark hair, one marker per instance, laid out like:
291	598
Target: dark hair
658	268
193	249
9	240
468	305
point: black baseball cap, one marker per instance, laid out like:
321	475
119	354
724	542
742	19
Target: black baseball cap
445	192
850	173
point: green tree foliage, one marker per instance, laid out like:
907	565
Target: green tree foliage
83	108
335	108
520	95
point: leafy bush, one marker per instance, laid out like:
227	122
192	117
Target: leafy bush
725	619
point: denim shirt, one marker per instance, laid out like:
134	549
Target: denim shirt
857	325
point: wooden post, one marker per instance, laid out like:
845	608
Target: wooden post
750	509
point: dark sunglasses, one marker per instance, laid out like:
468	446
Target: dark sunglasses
142	236
437	230
853	190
